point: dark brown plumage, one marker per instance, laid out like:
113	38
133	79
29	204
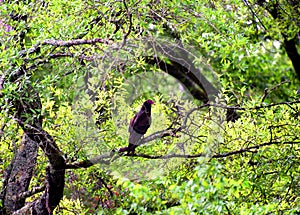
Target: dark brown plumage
138	126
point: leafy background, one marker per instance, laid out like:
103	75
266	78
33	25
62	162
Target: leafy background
250	166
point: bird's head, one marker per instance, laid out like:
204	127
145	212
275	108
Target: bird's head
150	102
147	106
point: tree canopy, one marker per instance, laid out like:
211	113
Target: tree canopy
224	76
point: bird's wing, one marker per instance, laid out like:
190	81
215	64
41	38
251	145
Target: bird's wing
132	121
141	122
135	120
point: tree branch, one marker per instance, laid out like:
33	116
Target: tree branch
268	90
115	154
90	162
75	42
101	158
29	193
220	155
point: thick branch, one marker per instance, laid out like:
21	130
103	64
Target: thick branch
87	163
28	107
182	74
29	193
62	43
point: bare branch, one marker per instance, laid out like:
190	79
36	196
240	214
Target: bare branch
129	16
255	16
62	55
221	155
268	90
90	162
76	42
69	54
101	158
252	108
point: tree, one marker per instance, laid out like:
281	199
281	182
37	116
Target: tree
67	71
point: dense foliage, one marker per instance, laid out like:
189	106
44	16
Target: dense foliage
73	73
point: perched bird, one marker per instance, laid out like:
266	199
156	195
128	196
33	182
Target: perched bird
138	126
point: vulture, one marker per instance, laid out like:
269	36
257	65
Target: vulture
138	126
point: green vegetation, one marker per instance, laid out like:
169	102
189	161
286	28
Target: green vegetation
225	134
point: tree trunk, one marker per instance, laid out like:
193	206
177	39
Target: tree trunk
273	7
27	106
19	177
291	50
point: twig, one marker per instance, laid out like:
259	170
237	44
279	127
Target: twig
268	90
254	14
129	15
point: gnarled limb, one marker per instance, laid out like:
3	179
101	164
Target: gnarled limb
27	108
